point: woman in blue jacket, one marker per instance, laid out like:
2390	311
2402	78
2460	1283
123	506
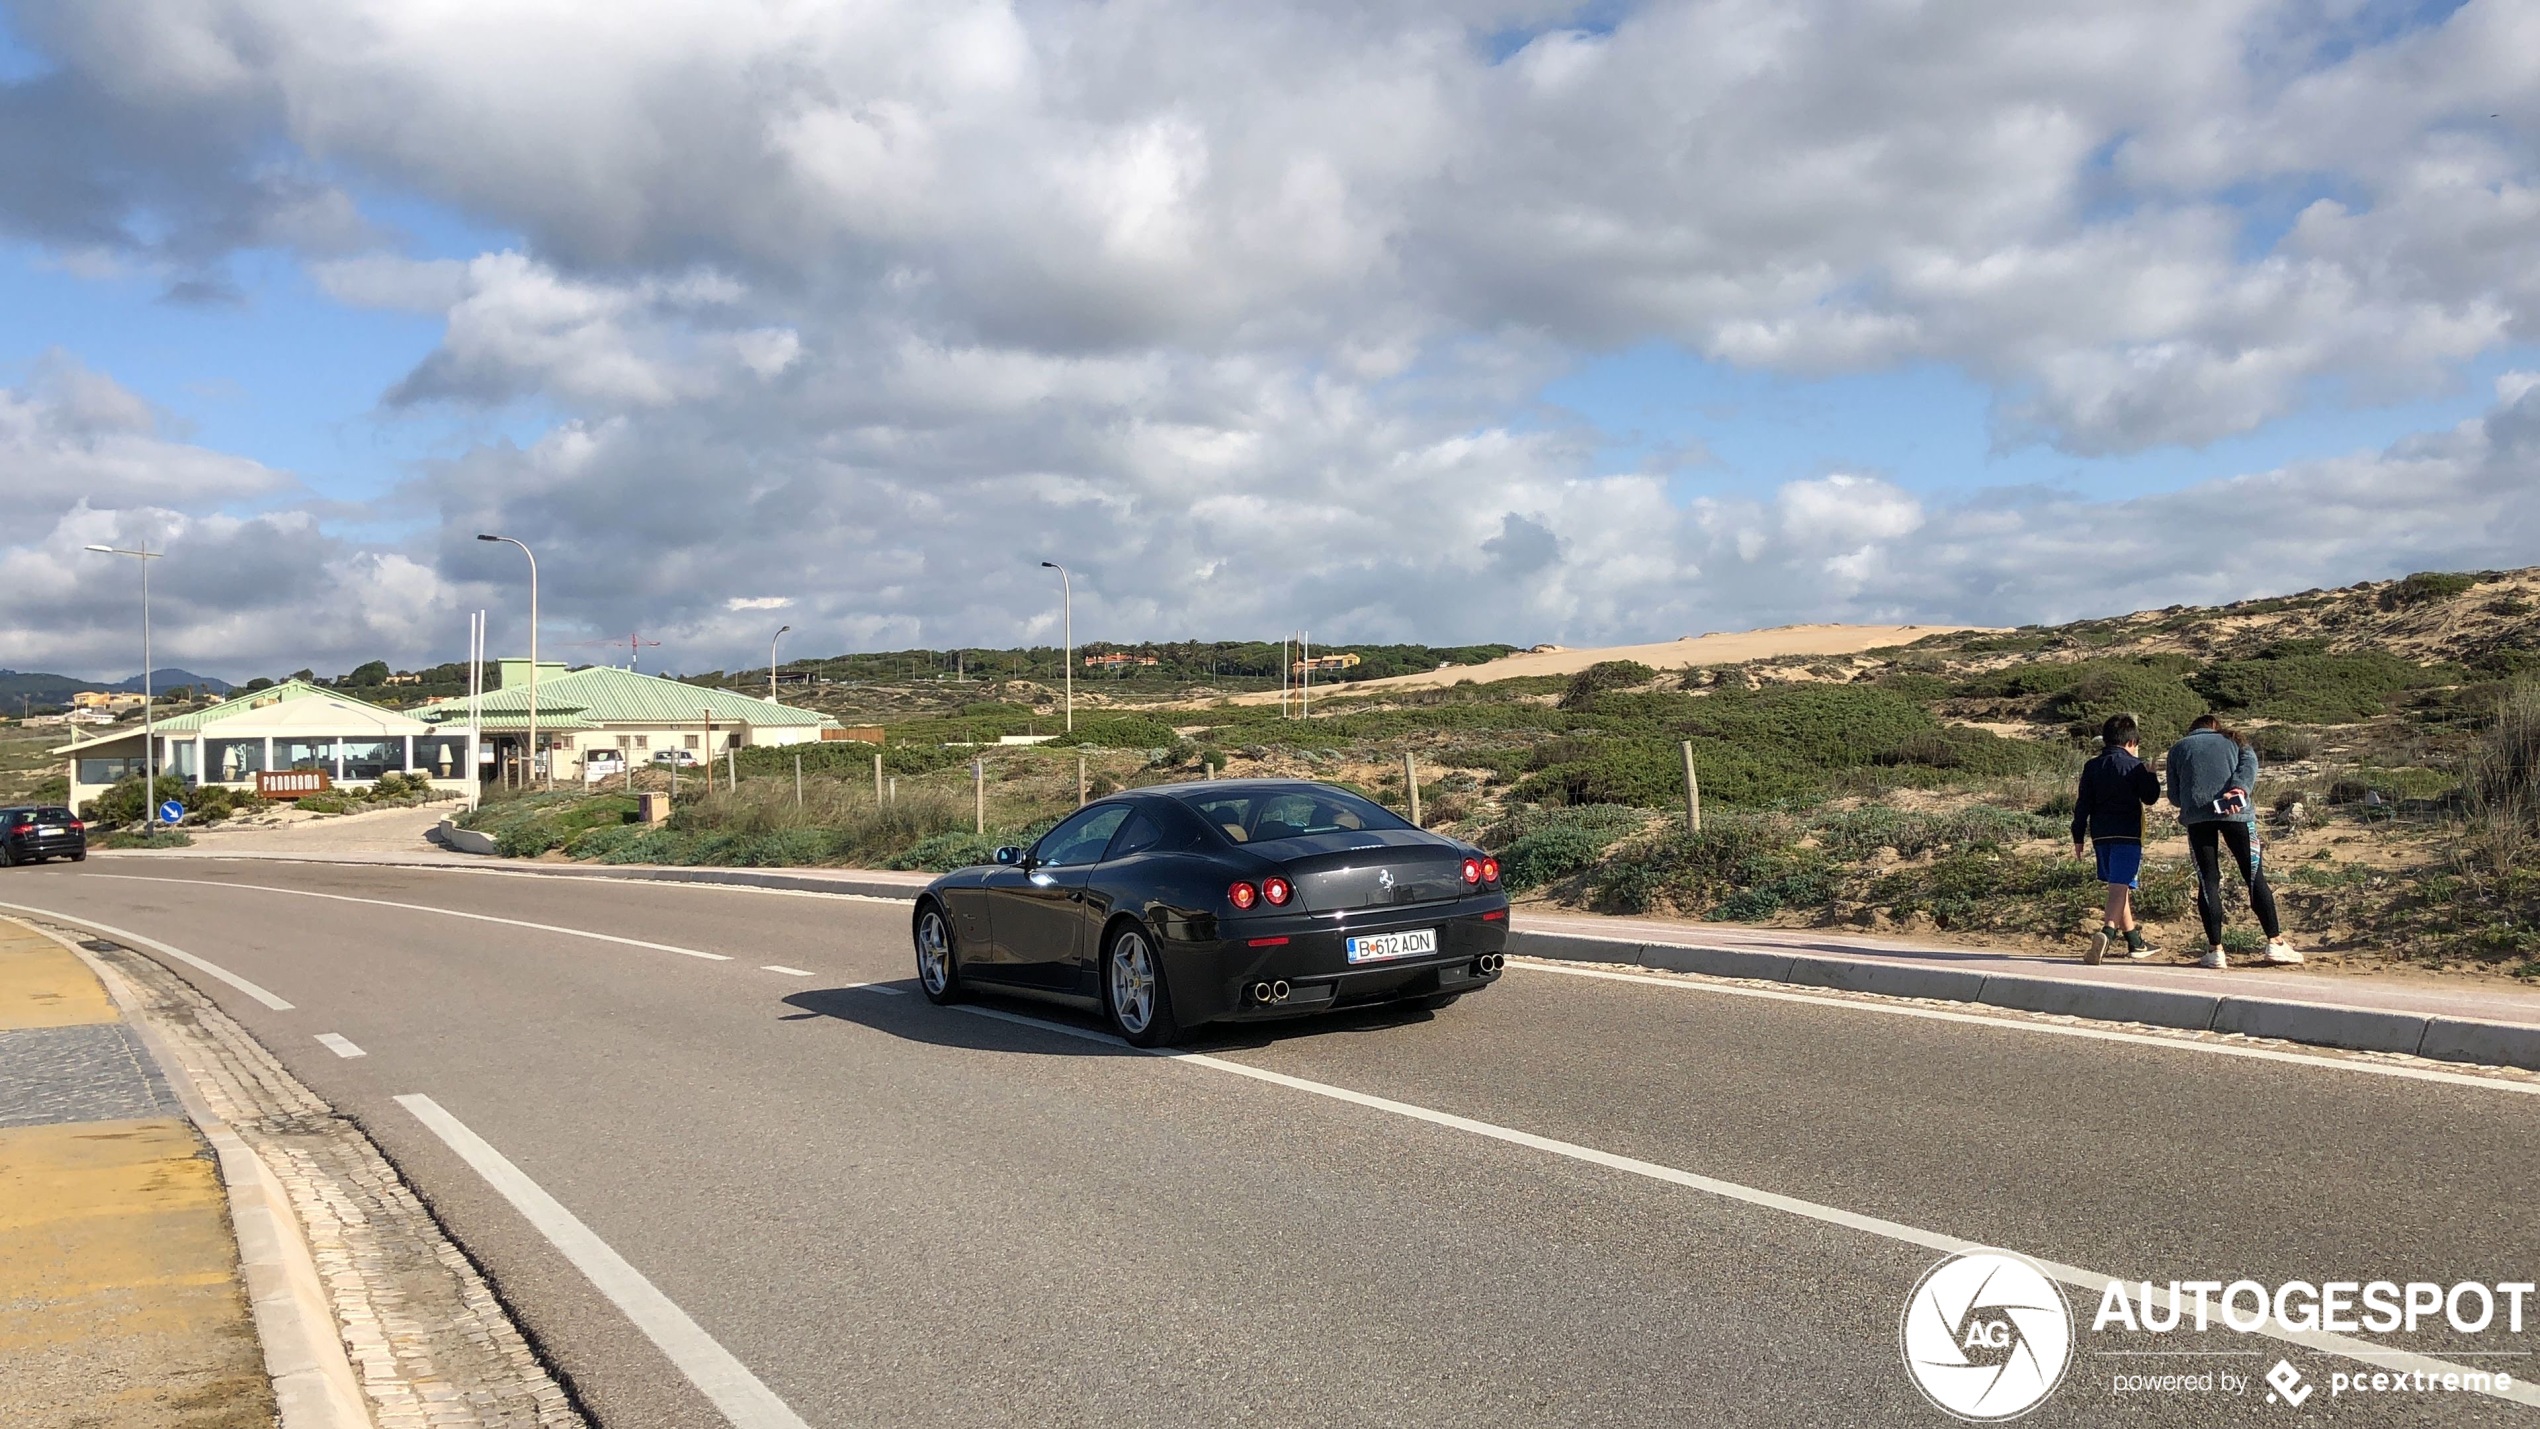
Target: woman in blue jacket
2212	773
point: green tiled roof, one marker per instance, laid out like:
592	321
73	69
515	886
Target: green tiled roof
244	701
606	695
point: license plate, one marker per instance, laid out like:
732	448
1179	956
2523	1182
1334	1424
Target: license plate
1376	947
48	830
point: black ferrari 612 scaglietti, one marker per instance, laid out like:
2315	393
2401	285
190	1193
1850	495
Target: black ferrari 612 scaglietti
1233	900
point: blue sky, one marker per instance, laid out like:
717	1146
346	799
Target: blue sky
1302	318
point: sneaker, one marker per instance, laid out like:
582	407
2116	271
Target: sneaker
2137	948
2282	954
2098	946
2214	959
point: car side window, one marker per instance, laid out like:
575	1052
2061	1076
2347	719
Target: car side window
1138	835
1081	839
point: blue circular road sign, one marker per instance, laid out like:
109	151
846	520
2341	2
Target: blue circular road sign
171	812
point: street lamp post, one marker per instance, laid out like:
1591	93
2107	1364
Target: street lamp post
149	741
1067	616
533	655
771	661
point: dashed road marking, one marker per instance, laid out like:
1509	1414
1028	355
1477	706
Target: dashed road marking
340	1045
781	968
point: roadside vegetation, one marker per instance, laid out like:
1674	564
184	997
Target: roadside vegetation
1922	788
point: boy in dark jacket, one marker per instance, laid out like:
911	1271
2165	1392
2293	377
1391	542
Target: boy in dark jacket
2116	788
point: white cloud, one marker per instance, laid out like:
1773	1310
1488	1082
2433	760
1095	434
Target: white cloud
758	602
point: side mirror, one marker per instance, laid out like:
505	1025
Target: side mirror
1009	854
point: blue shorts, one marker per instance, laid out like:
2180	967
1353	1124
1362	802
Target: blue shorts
2120	863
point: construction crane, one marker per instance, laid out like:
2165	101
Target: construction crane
634	644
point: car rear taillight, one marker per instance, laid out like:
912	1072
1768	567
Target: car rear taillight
78	827
1490	870
1472	870
1276	892
1243	895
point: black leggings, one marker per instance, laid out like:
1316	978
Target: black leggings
2205	841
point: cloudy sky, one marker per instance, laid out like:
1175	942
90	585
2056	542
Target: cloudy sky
1444	322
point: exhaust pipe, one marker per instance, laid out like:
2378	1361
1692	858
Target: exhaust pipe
1489	963
1279	991
1261	991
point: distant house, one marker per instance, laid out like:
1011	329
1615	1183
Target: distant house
1117	660
291	726
606	710
105	700
1321	663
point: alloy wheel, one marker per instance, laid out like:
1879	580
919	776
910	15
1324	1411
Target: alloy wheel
1132	971
934	953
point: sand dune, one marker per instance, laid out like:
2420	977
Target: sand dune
1692	650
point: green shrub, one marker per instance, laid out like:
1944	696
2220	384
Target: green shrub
2425	588
1739	866
1541	846
1994	891
2310	688
124	838
1968	750
1601	677
2150	691
1119	731
2281	743
945	852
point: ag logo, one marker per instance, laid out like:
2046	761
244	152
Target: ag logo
1986	1335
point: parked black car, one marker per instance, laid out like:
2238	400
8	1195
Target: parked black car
1232	900
32	834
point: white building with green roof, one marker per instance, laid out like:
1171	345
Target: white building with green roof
607	717
293	725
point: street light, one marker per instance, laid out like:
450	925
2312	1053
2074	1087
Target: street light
533	655
771	661
1067	660
149	742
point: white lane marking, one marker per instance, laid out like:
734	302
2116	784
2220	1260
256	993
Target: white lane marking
781	968
2052	1029
744	1400
154	945
2086	1280
425	908
340	1045
882	988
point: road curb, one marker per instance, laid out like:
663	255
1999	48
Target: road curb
313	1382
2444	1039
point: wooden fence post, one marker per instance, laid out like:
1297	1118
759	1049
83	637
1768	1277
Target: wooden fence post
1080	781
1693	793
877	779
798	778
979	795
1411	785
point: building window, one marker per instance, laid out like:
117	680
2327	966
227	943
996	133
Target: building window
233	761
108	771
626	741
443	756
692	740
643	741
367	759
304	754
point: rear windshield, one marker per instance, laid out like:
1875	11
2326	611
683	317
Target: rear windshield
52	816
1260	815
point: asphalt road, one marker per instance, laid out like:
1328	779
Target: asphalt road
896	1214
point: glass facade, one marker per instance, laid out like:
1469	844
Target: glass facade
367	759
304	754
443	756
108	771
234	761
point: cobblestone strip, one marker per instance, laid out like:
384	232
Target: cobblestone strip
432	1345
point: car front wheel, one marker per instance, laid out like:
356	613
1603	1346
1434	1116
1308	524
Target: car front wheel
938	961
1133	991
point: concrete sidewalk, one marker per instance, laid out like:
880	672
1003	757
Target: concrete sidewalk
121	1297
2418	1017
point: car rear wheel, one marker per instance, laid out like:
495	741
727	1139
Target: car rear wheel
1133	991
938	961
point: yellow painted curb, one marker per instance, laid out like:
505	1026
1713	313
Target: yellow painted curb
119	1293
43	984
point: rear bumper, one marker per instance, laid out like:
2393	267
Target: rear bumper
30	846
1208	981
